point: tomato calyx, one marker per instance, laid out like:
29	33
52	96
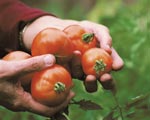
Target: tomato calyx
99	66
87	37
59	87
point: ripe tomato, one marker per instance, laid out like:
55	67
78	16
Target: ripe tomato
51	85
52	41
96	61
16	56
81	39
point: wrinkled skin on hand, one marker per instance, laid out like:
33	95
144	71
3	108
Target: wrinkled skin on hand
100	31
12	94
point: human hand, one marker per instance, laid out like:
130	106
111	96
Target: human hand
100	31
12	94
102	34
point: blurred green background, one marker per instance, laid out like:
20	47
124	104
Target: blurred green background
129	24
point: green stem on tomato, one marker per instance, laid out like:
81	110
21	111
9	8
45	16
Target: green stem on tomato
59	87
87	37
99	66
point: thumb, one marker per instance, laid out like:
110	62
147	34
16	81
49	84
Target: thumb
18	68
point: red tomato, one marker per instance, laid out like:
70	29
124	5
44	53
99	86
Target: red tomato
16	56
51	86
81	39
96	61
52	41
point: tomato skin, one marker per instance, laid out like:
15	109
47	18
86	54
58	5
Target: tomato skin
44	83
52	41
99	57
81	39
16	56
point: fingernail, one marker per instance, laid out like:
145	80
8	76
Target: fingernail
49	60
107	46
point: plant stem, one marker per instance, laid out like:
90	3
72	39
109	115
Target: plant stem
118	106
66	116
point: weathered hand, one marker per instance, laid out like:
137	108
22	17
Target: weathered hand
12	94
100	31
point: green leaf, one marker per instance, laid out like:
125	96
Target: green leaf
137	100
87	105
109	116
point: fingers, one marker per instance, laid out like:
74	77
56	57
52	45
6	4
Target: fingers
105	77
102	34
117	61
37	63
76	67
107	82
90	83
18	68
104	38
43	110
24	102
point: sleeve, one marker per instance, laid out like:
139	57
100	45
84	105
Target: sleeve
14	16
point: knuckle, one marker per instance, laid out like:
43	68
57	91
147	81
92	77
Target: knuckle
21	103
17	106
35	66
110	40
106	29
27	101
32	66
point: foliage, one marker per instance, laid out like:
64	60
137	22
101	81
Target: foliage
129	24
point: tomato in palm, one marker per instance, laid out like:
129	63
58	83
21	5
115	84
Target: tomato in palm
16	56
81	39
51	86
52	41
96	61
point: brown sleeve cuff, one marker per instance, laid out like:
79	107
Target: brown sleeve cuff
14	16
